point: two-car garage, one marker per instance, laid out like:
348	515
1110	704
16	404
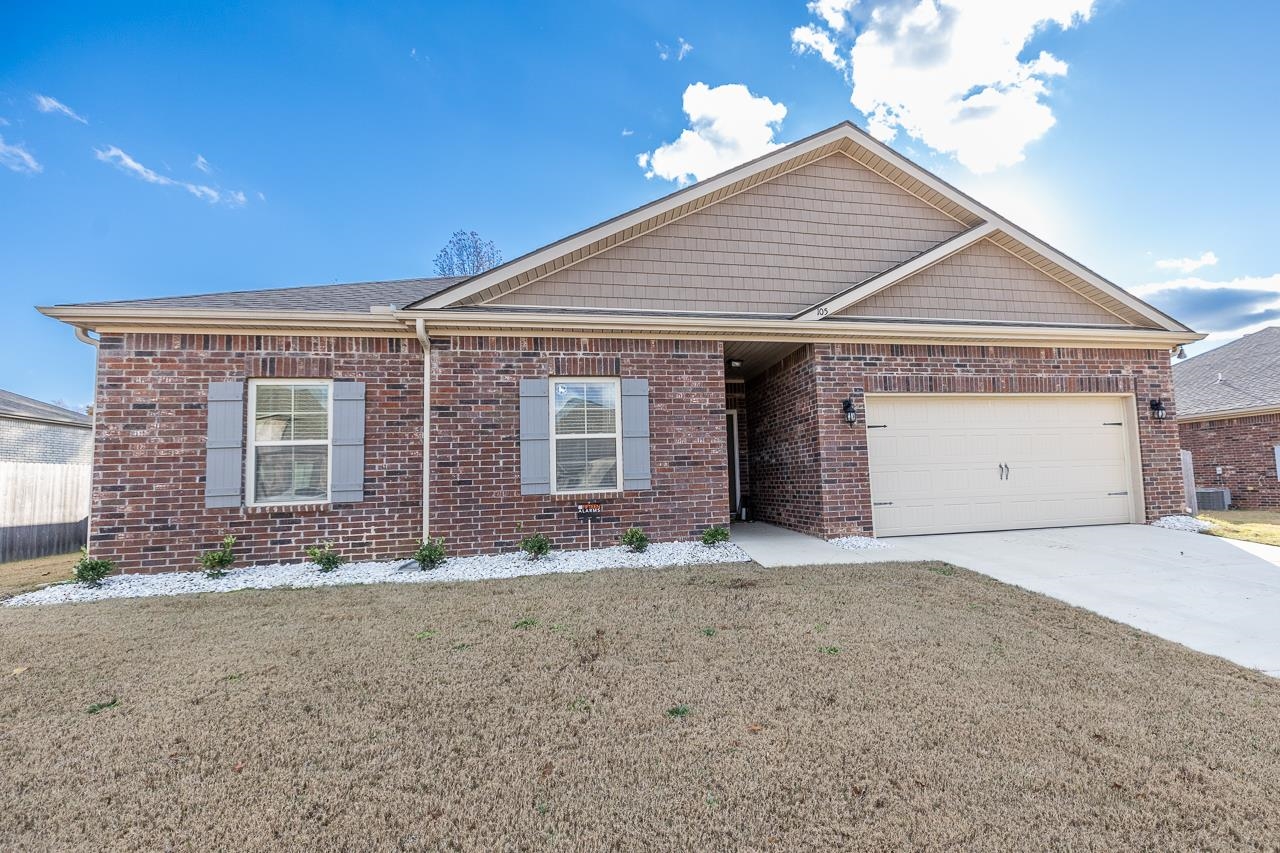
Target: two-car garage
948	463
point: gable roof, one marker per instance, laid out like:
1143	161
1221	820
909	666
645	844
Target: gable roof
846	139
983	282
25	408
1235	378
354	297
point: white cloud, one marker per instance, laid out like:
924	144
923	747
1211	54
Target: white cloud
948	72
727	126
1224	309
45	104
203	164
122	161
834	13
18	158
1187	265
4	122
683	49
816	39
626	131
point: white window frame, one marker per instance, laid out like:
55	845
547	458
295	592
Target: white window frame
252	443
616	435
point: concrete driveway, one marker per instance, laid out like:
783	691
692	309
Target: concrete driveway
1214	595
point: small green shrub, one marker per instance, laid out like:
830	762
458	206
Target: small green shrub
97	707
325	558
715	534
217	562
536	545
829	650
635	539
430	554
90	572
526	623
708	631
679	711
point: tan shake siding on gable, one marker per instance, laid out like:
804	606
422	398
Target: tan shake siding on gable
776	248
983	282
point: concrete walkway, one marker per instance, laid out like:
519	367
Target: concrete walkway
774	547
1214	595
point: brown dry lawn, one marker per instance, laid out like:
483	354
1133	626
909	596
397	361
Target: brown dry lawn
26	575
1250	525
883	706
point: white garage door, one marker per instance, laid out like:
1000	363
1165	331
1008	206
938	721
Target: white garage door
954	463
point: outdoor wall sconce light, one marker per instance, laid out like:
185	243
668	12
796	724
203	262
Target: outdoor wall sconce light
735	364
850	414
1157	410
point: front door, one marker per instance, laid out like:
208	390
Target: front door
731	442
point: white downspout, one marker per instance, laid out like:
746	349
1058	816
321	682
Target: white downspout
82	335
426	427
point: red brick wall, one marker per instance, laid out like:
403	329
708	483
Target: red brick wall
805	468
149	450
1243	447
786	470
796	415
475	450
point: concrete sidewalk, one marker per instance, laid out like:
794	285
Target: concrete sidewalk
774	547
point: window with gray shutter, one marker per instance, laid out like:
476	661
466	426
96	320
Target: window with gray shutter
535	437
224	445
636	473
348	442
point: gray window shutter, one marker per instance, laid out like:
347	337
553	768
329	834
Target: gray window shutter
535	437
635	435
224	445
347	476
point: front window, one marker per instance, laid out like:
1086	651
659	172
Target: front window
586	440
289	442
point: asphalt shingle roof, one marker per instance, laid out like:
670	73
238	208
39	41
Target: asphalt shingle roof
357	297
17	406
1249	370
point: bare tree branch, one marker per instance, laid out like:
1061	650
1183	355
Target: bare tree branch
467	253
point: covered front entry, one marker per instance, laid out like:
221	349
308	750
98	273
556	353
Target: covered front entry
943	463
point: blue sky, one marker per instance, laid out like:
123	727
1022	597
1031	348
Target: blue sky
158	150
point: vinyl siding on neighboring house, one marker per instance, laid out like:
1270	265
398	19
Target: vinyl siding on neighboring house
983	282
776	248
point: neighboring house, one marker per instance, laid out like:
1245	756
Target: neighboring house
828	335
45	453
1229	418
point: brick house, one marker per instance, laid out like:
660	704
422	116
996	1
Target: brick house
828	338
45	452
1229	418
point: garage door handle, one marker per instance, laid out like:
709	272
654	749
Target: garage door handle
1004	471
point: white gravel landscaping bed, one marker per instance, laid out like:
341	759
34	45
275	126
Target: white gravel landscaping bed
300	575
858	543
1187	523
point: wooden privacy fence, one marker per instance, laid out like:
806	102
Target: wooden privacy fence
44	509
1189	483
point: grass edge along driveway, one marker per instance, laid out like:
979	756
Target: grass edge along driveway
886	705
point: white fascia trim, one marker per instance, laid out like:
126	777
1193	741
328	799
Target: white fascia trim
893	275
801	331
582	239
978	209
